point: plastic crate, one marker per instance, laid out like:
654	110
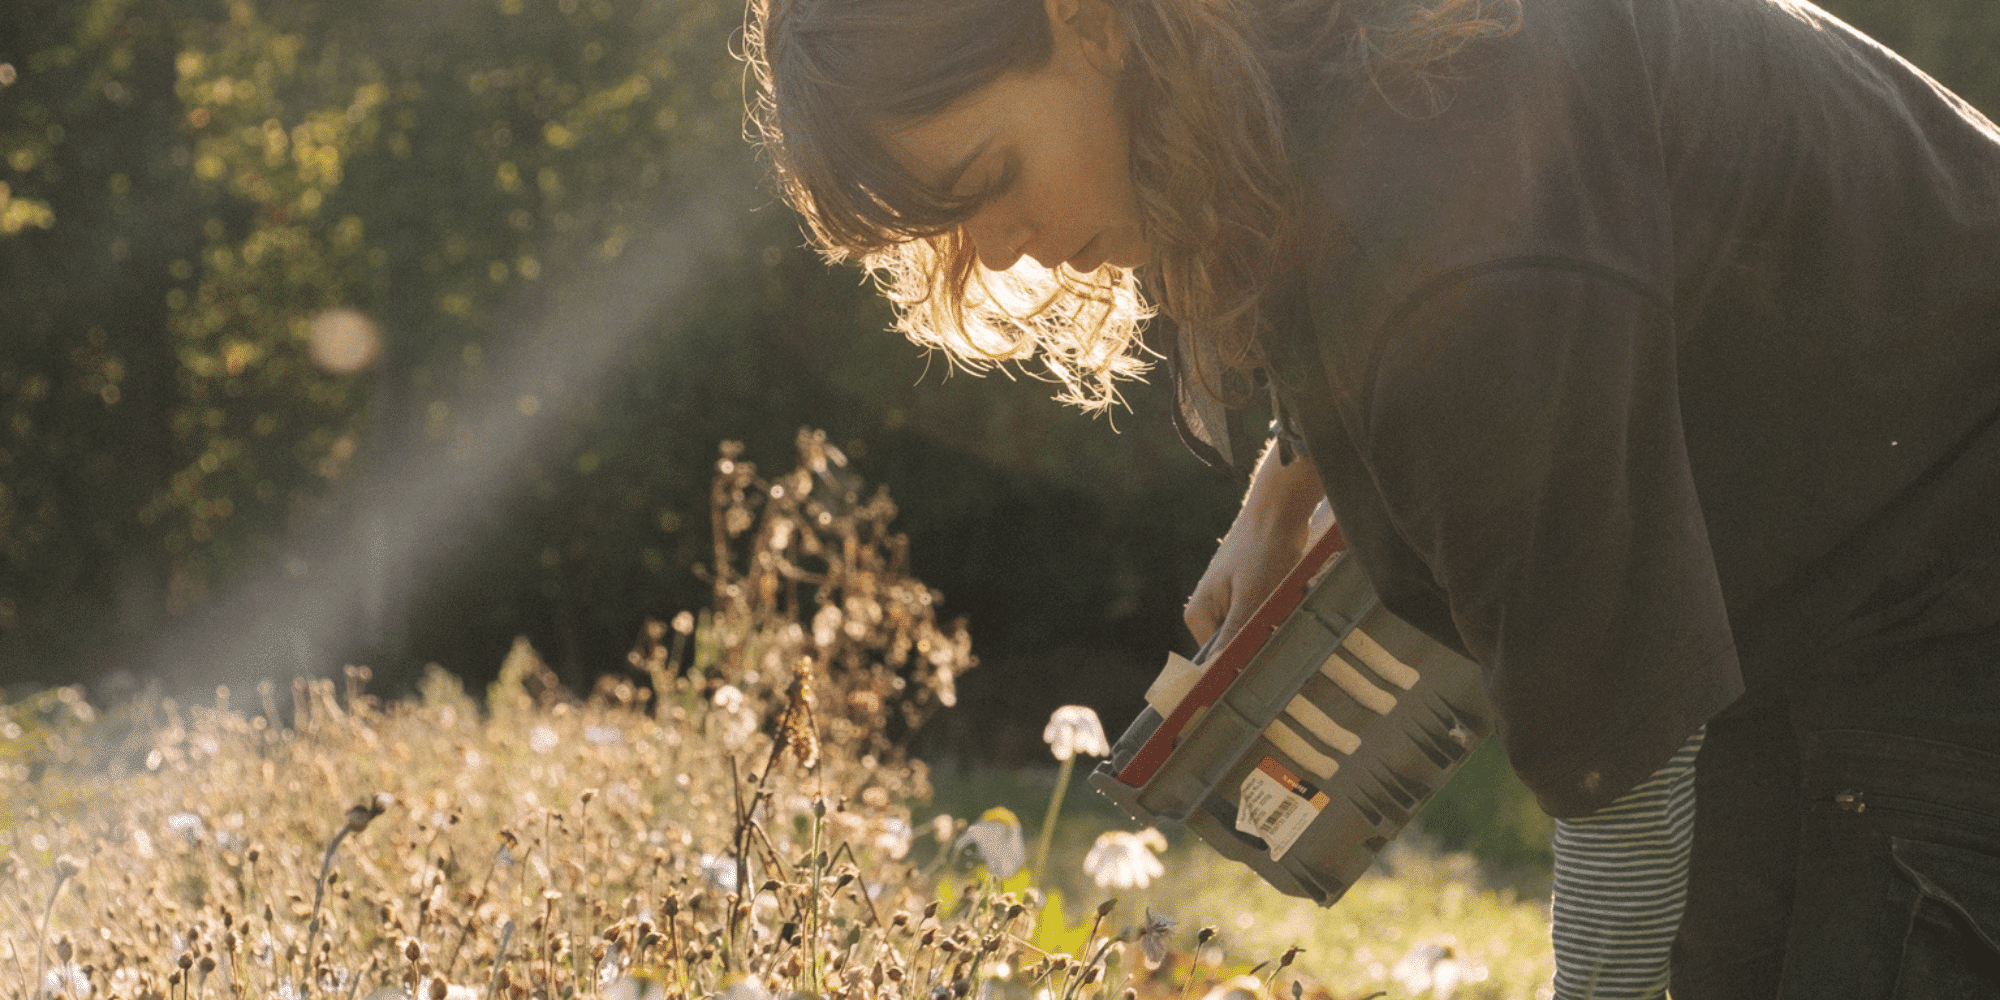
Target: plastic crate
1308	743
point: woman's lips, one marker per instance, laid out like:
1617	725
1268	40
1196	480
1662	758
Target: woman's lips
1088	255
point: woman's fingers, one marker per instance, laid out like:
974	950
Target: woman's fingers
1207	607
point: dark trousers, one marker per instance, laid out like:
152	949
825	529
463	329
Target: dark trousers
1847	838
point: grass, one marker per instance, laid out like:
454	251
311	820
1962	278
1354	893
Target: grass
729	817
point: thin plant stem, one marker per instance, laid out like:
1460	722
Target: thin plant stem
500	959
812	921
63	872
1048	831
309	981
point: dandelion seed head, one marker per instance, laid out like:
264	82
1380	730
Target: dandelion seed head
728	698
1075	729
1237	988
894	839
1124	860
720	872
1153	934
997	838
67	979
186	825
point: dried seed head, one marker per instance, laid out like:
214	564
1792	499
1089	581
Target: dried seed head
1202	936
671	906
364	813
438	988
63	949
1290	954
207	964
412	950
186	961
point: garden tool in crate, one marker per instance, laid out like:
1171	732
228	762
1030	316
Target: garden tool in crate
1306	744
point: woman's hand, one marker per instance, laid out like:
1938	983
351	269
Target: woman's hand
1269	535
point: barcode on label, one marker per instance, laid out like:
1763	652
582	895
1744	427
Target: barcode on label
1276	807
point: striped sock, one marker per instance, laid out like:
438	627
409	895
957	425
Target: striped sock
1621	882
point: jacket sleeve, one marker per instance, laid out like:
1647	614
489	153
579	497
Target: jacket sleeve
1522	423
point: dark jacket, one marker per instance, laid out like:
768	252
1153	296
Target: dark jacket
1662	362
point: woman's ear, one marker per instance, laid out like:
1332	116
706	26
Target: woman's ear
1092	25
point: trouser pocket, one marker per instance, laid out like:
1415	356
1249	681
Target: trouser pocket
1952	947
1898	889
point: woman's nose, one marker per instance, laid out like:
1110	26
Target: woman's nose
997	238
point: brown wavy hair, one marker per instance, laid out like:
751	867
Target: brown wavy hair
1206	83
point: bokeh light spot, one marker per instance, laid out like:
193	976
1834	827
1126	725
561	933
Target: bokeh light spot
344	341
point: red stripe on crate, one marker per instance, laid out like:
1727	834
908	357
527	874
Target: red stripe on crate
1225	666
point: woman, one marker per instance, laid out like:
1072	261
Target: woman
1648	352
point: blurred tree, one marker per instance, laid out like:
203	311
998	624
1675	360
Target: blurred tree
384	331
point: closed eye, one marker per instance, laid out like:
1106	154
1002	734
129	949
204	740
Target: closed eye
995	186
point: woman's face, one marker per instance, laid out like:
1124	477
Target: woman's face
1045	149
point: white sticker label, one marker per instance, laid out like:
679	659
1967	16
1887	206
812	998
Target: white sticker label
1276	807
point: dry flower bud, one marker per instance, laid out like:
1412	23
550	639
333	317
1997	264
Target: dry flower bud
894	973
438	988
412	950
63	949
186	961
1202	936
1290	953
207	964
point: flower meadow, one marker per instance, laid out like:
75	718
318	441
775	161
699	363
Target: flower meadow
730	815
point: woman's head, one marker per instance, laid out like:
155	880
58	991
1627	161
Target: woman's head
930	136
1091	137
